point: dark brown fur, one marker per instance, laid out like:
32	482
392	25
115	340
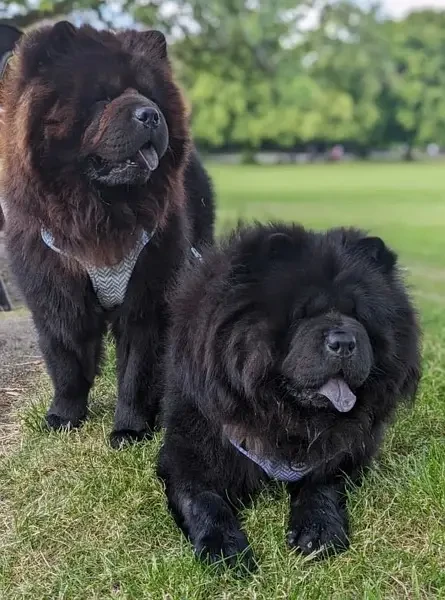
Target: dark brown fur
38	123
70	97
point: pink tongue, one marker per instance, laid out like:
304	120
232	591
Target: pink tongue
339	393
149	157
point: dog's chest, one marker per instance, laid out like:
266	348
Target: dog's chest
109	283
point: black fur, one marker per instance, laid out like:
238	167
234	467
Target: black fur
248	352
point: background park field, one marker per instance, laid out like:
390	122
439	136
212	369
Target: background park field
80	521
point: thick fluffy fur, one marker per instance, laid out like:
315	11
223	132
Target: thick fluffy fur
78	105
250	347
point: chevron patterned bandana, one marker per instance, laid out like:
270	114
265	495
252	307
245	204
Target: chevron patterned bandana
109	283
274	469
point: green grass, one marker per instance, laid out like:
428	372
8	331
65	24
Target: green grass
80	521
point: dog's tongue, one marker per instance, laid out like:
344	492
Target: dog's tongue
339	393
149	157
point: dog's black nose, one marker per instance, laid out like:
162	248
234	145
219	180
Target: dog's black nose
148	116
341	343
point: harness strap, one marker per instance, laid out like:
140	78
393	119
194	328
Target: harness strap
280	471
110	283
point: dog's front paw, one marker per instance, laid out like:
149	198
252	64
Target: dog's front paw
229	547
58	423
326	534
122	437
216	535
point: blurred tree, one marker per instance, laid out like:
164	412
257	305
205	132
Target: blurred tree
350	56
287	72
417	98
233	58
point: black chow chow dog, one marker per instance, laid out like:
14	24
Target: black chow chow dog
289	352
105	198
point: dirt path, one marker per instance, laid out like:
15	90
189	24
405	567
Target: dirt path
11	287
20	359
20	363
19	350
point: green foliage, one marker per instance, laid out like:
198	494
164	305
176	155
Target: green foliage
240	79
258	72
418	87
355	77
351	56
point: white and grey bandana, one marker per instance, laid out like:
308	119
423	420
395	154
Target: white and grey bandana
109	283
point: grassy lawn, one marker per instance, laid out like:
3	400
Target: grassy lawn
80	521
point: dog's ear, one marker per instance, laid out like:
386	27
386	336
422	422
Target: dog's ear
59	41
279	246
157	40
9	36
378	252
261	248
153	42
43	46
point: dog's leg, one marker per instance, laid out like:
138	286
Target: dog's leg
72	368
213	529
200	510
138	348
318	518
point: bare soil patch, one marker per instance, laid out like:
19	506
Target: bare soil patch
20	363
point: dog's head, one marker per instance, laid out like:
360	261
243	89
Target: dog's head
323	315
94	105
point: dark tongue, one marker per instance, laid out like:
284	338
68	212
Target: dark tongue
339	393
149	157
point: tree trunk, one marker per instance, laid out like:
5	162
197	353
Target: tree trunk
248	157
364	152
409	154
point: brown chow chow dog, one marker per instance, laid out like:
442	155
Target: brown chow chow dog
104	199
